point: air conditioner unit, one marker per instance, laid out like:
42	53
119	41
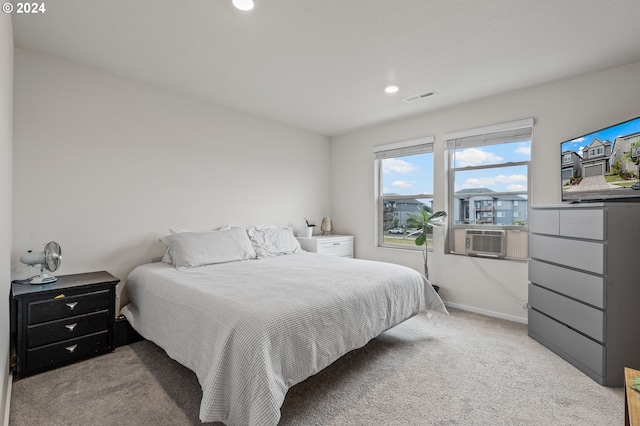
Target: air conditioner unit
485	243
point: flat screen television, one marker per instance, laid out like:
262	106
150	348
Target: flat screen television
602	165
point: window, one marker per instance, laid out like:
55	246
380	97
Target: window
404	184
489	168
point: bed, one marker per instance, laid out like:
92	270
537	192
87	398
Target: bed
253	327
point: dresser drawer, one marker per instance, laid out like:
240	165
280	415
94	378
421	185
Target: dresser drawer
66	351
544	221
585	255
52	309
576	315
568	222
584	353
68	328
334	247
578	285
582	223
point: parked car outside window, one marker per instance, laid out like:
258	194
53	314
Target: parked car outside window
414	233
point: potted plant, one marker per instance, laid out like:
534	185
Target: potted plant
309	229
423	220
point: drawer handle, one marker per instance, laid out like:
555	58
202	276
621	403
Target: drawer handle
71	326
71	348
71	305
336	244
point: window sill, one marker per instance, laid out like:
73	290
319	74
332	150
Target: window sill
516	259
403	248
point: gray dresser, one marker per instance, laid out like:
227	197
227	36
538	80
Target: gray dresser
584	285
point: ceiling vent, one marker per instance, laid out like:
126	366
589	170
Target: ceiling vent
419	96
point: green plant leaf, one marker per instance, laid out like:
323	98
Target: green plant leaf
421	240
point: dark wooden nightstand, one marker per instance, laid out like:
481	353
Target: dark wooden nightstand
62	322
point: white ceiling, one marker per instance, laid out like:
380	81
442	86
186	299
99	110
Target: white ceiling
321	65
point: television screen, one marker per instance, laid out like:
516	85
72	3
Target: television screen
602	165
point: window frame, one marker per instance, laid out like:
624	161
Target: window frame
406	148
520	130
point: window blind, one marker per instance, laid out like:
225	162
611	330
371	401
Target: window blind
404	148
515	131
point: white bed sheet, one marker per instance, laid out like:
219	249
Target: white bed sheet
252	329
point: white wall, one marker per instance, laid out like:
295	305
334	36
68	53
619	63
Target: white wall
6	158
105	166
561	110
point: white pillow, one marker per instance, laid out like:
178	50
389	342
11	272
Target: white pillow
167	255
270	241
227	227
192	249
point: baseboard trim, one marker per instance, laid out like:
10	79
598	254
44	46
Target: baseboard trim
487	313
7	400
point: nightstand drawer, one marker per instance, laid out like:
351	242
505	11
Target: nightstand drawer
68	328
336	247
52	309
68	350
331	245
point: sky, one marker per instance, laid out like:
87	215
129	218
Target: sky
608	134
408	175
414	174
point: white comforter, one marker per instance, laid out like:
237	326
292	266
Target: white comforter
252	329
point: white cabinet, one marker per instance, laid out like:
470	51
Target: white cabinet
584	297
332	245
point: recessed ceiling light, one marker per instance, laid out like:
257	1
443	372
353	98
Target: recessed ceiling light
391	88
245	5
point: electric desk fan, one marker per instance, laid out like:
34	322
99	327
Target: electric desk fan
49	260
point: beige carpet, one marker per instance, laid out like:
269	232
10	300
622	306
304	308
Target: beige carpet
464	369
